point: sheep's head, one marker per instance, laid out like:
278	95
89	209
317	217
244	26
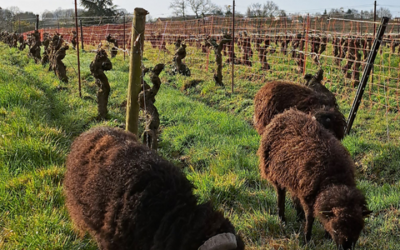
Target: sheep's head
341	210
332	119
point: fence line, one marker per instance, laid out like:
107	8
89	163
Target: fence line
285	48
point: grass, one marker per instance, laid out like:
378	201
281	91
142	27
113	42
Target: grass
205	130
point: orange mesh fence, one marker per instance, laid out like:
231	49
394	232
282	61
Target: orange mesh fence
284	48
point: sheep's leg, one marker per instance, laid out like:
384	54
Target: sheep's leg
309	222
299	209
281	192
328	235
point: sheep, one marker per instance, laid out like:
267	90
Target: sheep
128	197
299	155
314	83
277	96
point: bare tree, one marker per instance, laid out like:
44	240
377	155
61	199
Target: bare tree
384	12
200	7
178	7
269	9
14	9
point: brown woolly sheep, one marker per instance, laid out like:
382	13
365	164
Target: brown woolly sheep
128	197
299	155
314	83
277	96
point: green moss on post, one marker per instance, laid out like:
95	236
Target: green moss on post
135	71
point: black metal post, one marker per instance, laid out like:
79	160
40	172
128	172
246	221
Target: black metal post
81	34
366	73
372	75
37	22
374	17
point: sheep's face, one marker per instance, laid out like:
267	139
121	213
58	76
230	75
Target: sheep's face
332	120
344	226
341	210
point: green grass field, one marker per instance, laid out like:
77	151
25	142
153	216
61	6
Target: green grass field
205	130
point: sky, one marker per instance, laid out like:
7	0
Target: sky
159	8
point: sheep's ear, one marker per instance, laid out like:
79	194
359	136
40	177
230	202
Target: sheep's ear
366	212
326	213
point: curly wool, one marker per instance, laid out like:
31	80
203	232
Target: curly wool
299	155
277	96
128	197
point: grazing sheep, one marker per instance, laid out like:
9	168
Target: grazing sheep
277	96
128	197
299	155
314	83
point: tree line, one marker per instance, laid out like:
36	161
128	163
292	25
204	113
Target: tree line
181	8
97	12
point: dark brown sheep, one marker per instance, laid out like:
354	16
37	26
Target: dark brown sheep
277	96
314	83
128	197
299	155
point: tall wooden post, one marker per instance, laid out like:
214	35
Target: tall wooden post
77	49
233	46
306	48
124	37
135	69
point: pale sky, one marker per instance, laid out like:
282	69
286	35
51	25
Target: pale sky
159	8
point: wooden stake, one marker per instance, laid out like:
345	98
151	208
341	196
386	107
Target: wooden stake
77	48
233	47
135	70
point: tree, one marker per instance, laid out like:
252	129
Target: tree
217	11
228	11
6	20
269	9
201	6
178	7
47	14
14	10
99	7
384	12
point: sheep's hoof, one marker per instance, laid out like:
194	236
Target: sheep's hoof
327	235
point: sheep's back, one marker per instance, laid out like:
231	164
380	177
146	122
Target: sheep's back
299	154
277	96
115	186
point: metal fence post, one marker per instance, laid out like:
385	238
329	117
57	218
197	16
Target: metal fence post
81	34
366	73
37	22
